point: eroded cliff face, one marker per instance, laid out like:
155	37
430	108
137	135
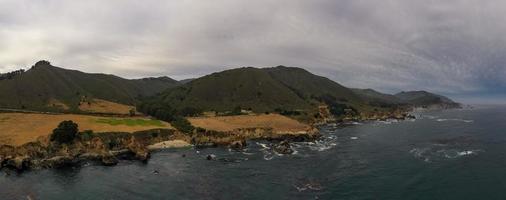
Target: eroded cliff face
108	148
238	137
104	148
324	115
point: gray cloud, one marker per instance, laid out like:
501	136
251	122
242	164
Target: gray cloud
456	47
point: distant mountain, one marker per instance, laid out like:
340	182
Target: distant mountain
410	98
44	85
426	99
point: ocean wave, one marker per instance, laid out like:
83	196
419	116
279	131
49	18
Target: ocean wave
311	185
446	148
264	146
429	117
435	153
458	120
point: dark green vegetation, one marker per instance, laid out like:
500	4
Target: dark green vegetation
378	99
286	90
425	99
182	124
65	133
35	88
411	98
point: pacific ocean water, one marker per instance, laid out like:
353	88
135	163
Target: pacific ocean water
452	154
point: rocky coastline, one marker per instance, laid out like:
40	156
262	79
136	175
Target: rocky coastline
109	148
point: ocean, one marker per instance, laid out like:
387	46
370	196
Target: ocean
451	154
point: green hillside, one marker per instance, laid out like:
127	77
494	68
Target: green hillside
375	98
410	98
310	87
286	90
425	99
244	87
36	87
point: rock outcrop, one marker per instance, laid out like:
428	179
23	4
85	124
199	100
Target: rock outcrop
108	148
283	148
104	148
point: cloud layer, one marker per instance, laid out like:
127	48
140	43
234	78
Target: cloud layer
455	47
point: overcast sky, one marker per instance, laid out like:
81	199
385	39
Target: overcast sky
453	47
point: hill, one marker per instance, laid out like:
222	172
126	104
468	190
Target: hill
48	88
284	90
426	99
376	98
223	91
410	98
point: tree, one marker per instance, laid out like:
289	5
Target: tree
65	133
189	112
182	124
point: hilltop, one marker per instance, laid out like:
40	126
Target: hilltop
257	89
45	87
426	99
285	90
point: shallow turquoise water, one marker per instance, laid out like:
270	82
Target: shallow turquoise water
457	154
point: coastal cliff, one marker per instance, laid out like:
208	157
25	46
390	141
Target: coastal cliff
108	148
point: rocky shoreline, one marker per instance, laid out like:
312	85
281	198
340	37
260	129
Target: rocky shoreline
109	148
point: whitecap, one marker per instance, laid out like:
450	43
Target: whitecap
353	138
264	146
466	153
459	120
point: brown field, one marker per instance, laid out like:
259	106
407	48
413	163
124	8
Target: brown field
20	128
103	106
228	123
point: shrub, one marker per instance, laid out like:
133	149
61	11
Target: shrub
182	124
65	133
86	135
190	112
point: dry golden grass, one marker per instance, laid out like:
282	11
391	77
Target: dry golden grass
103	106
20	128
279	123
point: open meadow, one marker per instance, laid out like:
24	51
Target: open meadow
20	128
278	123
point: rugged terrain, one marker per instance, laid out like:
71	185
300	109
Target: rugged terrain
48	88
221	109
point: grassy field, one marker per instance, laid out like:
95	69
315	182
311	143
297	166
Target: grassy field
130	122
20	128
228	123
103	106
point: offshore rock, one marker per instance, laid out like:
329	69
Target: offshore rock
240	144
19	163
283	148
109	160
